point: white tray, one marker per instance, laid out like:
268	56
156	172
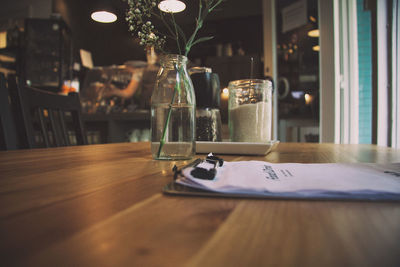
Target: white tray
238	148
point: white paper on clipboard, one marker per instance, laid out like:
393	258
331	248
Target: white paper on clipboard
330	180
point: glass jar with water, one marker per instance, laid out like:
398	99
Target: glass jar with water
173	107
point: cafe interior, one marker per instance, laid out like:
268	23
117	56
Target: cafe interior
313	100
82	183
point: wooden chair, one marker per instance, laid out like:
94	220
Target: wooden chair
8	139
48	119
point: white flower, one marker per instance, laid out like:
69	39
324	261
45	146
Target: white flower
139	17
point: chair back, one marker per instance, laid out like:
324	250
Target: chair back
49	119
8	136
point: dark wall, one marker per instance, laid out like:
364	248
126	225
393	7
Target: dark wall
244	32
109	43
113	44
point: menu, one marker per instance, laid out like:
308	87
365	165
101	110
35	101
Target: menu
327	180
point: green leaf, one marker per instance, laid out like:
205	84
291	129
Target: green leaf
215	5
202	39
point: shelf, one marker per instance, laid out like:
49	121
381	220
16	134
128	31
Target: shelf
139	115
115	127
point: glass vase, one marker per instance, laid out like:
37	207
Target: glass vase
173	107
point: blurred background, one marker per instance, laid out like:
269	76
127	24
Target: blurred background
56	46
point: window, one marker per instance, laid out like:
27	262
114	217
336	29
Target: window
359	71
364	73
395	96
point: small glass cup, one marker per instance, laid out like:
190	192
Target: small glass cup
250	110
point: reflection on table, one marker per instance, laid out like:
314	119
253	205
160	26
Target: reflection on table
102	205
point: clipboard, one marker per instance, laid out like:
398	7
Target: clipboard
175	189
209	172
181	190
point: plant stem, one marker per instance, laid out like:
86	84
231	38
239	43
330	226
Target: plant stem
162	141
203	12
176	89
176	33
199	22
161	18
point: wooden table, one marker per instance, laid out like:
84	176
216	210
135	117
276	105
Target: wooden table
102	205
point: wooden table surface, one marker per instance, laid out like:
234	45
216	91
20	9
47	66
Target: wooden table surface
102	205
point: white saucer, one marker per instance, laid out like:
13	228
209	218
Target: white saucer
238	148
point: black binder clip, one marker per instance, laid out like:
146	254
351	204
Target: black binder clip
208	174
214	159
176	172
203	173
200	172
179	171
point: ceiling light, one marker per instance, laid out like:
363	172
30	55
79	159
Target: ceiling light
103	16
313	19
315	48
313	33
171	6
